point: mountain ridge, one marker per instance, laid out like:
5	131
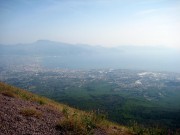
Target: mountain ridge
87	56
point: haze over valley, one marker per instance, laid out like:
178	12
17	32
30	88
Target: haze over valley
50	54
114	59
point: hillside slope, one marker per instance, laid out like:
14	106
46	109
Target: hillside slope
22	112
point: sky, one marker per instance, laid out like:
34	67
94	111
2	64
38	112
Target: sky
95	22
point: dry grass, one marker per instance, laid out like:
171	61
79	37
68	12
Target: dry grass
8	94
85	123
30	112
69	126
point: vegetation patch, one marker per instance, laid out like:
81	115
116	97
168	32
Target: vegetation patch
140	129
71	127
30	112
75	123
8	94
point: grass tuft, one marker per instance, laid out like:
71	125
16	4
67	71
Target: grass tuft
8	94
83	123
30	112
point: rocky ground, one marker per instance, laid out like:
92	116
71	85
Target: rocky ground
14	120
21	117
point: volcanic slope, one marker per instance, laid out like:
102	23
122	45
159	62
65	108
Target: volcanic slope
22	112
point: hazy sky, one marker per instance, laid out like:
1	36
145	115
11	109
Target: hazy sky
97	22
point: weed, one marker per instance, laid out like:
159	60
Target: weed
75	124
69	127
25	96
41	102
99	116
65	111
89	121
141	130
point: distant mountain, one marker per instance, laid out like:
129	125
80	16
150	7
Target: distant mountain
43	47
63	55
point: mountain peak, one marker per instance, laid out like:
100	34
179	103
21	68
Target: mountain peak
44	41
